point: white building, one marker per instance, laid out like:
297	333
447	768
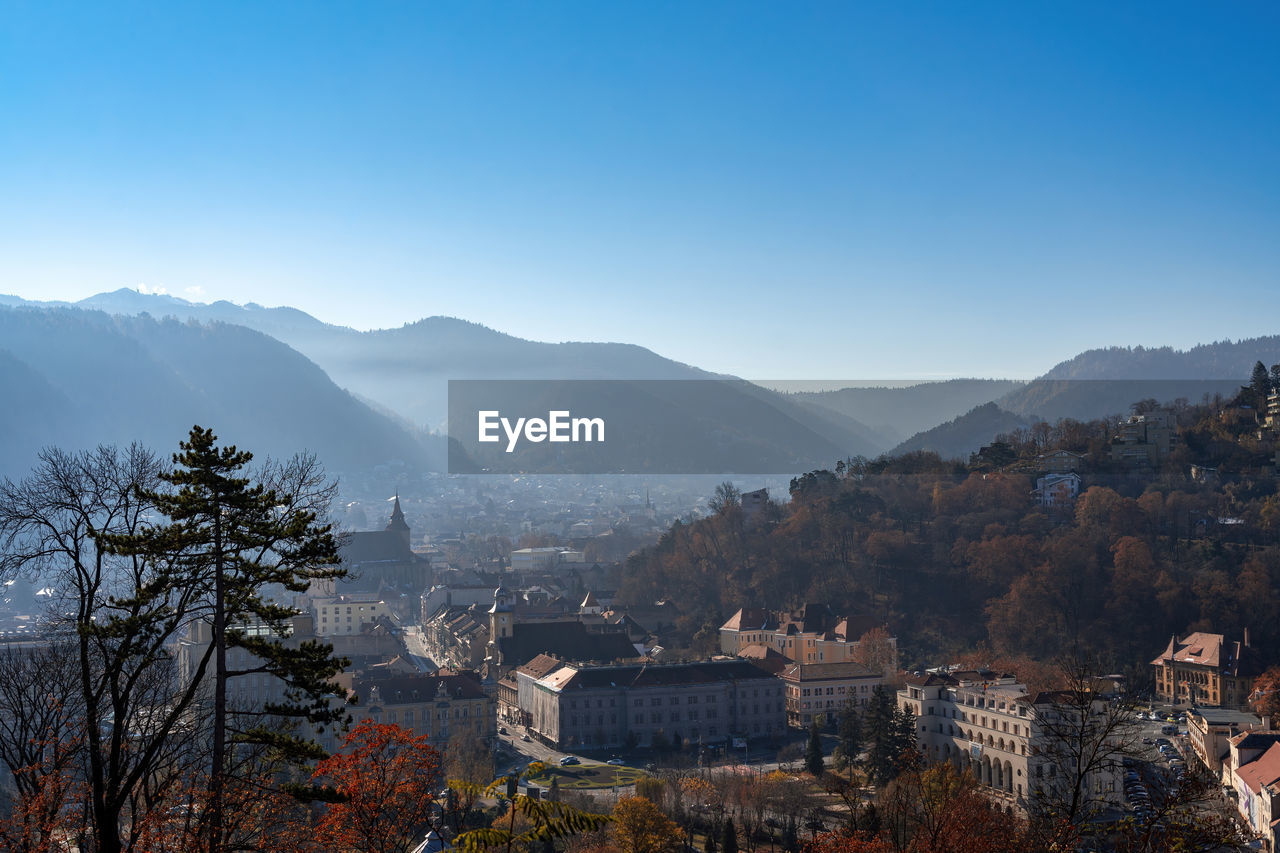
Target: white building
1057	489
1017	745
345	614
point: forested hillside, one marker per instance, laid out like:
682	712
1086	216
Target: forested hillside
959	558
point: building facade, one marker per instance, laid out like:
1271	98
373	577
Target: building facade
1210	731
341	615
1205	669
808	635
822	689
988	724
438	707
457	637
1254	763
707	702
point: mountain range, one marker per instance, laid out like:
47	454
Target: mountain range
123	366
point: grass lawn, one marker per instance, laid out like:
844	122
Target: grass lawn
589	776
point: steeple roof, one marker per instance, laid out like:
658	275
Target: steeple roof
397	521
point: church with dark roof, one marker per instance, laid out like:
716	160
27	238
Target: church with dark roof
383	560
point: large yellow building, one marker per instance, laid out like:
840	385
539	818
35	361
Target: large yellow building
1204	669
340	615
808	635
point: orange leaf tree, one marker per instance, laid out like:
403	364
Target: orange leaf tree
833	842
1266	694
385	778
640	827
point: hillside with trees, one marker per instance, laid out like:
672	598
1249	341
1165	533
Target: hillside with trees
959	558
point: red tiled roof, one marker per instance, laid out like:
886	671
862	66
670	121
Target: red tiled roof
750	619
1263	770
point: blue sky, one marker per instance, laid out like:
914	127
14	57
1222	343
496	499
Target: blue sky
774	190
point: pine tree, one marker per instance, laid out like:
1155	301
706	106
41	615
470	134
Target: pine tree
1260	385
850	733
238	541
813	755
729	837
903	738
879	731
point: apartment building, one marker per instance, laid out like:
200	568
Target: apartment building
341	615
1011	741
1254	778
1210	731
822	689
577	705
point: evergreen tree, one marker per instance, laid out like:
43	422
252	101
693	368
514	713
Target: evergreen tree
729	837
849	732
709	843
240	542
903	738
1260	385
878	728
813	755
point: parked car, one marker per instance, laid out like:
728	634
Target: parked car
616	762
524	738
569	759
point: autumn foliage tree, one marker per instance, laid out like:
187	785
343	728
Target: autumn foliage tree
640	827
1265	699
385	778
940	810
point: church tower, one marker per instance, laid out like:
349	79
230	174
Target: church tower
397	524
501	619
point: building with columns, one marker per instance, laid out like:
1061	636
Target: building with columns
1013	742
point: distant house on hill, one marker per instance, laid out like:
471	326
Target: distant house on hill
1057	489
1143	441
1061	462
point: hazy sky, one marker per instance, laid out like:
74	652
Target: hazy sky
778	189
